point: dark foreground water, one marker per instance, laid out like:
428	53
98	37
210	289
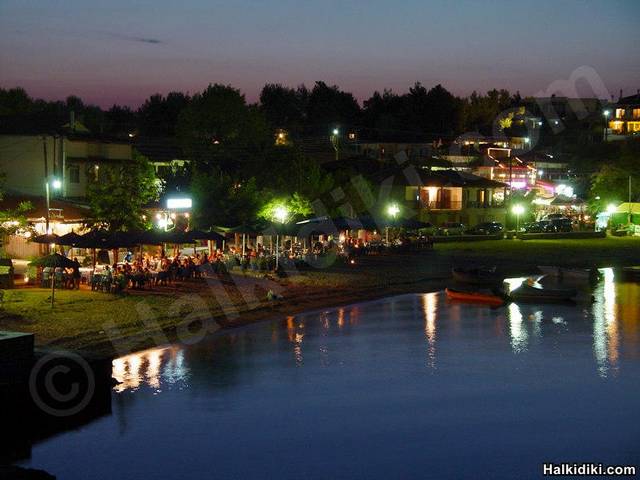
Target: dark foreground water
405	387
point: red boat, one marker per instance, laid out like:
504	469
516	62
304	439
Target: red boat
474	297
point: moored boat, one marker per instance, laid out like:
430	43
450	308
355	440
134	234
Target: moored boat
631	273
570	274
527	292
474	297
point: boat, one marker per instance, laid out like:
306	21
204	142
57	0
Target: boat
477	276
474	297
631	273
527	292
571	274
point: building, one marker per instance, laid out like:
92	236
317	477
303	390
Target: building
69	160
63	164
557	109
452	196
501	165
64	215
625	118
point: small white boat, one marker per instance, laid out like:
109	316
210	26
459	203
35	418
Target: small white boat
570	274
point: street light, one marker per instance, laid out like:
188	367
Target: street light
335	142
392	211
606	114
611	209
48	185
517	210
280	214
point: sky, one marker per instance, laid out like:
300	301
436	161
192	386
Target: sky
121	52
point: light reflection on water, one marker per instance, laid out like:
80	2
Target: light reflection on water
152	367
430	308
615	316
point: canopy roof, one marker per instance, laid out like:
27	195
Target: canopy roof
46	238
626	207
54	260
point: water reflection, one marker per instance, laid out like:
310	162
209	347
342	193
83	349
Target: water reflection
605	328
151	367
517	329
612	323
430	309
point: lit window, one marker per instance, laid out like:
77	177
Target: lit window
619	112
633	126
636	113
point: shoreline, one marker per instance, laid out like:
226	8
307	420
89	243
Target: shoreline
104	324
104	348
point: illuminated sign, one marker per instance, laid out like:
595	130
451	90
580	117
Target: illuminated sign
179	203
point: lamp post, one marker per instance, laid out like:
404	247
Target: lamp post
50	183
280	214
611	209
335	141
606	114
392	211
517	210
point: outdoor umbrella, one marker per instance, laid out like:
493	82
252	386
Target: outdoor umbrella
206	235
95	239
69	240
46	238
53	261
209	235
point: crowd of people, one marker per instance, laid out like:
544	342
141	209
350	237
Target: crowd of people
146	269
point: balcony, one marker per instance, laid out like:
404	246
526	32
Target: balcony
494	204
458	205
443	205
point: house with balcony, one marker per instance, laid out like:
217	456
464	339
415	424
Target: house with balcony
439	196
625	118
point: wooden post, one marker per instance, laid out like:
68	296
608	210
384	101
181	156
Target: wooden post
53	286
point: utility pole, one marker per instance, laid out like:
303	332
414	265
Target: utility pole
629	214
46	180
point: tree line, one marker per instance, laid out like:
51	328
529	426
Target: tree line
419	112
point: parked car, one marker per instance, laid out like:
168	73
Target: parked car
486	228
451	228
542	226
562	224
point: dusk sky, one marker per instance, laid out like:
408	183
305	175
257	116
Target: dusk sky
123	51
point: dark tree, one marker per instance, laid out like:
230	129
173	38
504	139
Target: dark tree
218	129
158	115
283	107
329	106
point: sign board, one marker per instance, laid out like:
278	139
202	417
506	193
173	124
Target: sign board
183	203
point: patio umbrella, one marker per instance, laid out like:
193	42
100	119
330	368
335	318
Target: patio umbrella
53	261
95	239
206	235
69	240
46	238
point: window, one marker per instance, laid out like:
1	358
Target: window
74	174
619	112
633	127
636	113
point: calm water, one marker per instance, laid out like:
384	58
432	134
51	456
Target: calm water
406	387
